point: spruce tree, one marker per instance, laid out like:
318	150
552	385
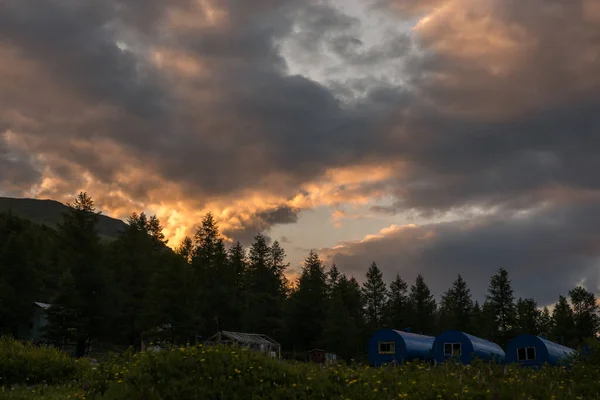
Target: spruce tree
500	302
333	278
585	313
528	317
397	309
375	297
343	325
186	249
308	311
456	306
564	323
545	322
81	257
135	258
423	308
265	288
214	281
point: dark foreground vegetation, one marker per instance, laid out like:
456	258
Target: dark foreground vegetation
199	372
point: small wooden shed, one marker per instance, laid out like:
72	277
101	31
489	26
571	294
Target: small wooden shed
254	341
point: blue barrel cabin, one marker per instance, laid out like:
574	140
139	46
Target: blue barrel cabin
465	348
534	351
389	346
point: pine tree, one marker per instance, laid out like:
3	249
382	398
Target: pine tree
171	298
423	307
500	302
456	306
19	280
585	313
528	317
266	288
476	320
136	258
375	297
238	263
214	282
333	278
546	323
398	309
564	323
186	249
343	326
307	302
81	256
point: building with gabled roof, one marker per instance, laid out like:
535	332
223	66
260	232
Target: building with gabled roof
254	341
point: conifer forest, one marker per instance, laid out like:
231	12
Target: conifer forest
136	289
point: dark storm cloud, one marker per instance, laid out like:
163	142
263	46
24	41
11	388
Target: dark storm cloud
261	222
76	43
501	110
547	253
17	170
511	164
213	134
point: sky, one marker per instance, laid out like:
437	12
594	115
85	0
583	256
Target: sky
430	136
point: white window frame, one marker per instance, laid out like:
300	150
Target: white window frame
452	344
392	347
527	354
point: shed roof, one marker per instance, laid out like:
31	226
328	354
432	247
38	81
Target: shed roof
45	306
249	338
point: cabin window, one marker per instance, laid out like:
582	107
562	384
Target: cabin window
525	353
387	348
452	349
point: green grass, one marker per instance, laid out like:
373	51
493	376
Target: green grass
23	363
234	373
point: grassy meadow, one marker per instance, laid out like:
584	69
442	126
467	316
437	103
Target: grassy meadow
199	372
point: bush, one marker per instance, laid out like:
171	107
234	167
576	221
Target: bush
24	363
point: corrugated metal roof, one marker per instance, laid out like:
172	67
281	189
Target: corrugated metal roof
45	306
249	338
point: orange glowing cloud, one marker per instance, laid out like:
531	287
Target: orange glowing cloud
136	188
508	62
205	14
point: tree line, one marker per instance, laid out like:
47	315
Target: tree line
136	289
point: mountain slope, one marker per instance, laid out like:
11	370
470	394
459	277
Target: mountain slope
49	213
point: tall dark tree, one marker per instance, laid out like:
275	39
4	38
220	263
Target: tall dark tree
546	323
136	258
564	323
171	298
528	317
500	301
333	278
307	302
186	249
456	306
343	326
20	278
238	263
423	307
215	283
375	297
585	313
81	258
398	307
265	288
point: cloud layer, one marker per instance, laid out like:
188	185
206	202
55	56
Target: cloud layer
258	110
